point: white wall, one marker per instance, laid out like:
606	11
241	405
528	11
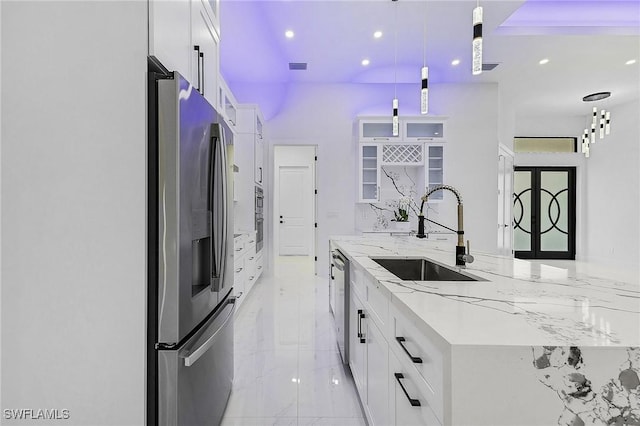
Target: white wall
323	115
74	209
607	195
613	197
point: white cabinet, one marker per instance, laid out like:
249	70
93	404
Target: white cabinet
434	174
206	42
245	265
357	344
422	129
259	150
368	348
170	34
420	144
369	173
227	103
183	37
408	406
251	124
376	129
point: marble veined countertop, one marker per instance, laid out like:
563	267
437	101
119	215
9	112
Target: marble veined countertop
548	303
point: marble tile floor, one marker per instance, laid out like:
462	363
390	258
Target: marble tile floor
287	366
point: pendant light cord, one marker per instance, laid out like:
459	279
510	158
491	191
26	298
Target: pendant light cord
395	51
424	35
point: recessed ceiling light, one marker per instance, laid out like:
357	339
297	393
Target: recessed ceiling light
377	34
455	62
289	34
544	61
630	62
365	62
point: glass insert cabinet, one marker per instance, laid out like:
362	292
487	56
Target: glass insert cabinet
420	144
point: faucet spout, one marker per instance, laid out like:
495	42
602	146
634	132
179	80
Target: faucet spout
461	256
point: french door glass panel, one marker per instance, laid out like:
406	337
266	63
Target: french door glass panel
522	210
554	218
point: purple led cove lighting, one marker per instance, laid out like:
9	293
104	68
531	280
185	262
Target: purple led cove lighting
579	13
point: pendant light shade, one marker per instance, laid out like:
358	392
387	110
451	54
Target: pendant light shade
396	123
477	41
424	93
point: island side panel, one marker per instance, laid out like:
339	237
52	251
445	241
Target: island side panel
536	385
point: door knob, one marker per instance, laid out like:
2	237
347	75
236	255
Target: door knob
281	221
280	217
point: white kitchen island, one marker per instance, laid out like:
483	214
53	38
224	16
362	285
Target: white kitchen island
536	343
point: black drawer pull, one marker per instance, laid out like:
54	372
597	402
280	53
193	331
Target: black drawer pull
414	402
360	333
415	359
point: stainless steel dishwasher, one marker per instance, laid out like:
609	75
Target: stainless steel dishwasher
339	301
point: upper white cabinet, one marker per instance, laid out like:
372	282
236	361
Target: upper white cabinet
251	121
423	130
184	38
206	47
227	103
369	173
170	34
259	150
376	129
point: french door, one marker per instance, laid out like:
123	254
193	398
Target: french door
544	212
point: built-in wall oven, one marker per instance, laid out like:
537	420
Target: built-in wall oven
259	218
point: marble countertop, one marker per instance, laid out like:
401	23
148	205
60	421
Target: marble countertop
548	303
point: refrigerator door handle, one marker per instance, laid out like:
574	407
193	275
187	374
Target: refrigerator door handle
194	355
219	206
225	207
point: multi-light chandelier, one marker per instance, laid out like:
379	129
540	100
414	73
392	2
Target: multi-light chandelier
600	122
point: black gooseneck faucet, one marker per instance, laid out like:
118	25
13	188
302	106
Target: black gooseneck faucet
462	258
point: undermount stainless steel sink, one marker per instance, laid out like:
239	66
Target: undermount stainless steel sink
420	269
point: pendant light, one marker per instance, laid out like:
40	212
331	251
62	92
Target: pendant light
424	91
476	45
600	120
394	104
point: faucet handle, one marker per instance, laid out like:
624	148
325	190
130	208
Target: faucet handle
468	257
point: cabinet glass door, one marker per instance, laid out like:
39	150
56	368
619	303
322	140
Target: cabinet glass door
370	173
424	131
435	170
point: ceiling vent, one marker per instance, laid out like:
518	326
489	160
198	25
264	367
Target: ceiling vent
488	67
298	66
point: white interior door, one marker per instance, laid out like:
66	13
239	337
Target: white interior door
294	210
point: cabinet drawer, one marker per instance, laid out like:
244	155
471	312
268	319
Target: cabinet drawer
410	404
421	357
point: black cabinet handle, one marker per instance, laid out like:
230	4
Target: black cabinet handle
260	172
281	222
413	402
415	359
331	273
197	49
360	333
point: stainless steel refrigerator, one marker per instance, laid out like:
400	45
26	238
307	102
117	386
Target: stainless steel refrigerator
193	317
